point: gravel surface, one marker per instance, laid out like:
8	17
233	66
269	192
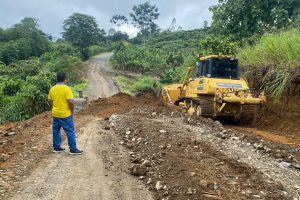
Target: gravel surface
235	167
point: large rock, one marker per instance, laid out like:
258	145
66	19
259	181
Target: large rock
146	163
10	133
158	186
284	164
138	170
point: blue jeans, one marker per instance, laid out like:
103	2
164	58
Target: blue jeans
68	125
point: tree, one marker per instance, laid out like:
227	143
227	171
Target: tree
143	17
35	92
111	31
244	18
120	36
154	29
179	28
82	30
173	26
213	44
9	52
2	35
119	20
22	41
205	25
29	28
174	59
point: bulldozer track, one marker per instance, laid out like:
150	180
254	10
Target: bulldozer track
248	114
207	106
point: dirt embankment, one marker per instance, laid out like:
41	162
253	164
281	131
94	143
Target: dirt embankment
283	117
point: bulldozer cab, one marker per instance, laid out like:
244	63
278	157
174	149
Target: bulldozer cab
225	67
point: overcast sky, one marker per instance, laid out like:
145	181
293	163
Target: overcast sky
189	14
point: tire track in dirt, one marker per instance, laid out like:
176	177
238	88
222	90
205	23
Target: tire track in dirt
100	84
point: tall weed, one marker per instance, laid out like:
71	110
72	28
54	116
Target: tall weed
274	61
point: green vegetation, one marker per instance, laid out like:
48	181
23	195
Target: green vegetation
26	83
274	61
81	86
137	58
119	20
96	49
139	84
27	99
29	60
261	34
82	31
143	17
168	54
243	18
22	41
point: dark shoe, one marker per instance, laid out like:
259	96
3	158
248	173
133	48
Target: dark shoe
75	152
58	150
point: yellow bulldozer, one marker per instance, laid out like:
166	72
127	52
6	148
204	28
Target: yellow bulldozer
217	91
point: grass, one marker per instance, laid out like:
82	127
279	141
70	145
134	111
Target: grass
276	61
132	86
79	87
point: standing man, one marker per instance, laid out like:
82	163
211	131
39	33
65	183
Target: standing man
62	103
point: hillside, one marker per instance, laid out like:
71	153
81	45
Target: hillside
228	129
136	147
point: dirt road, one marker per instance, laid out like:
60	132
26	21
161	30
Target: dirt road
101	172
100	84
98	174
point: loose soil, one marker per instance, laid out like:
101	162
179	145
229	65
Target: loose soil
192	159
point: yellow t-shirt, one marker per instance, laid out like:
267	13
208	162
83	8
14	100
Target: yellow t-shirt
60	94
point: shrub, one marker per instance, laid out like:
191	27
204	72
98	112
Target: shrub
213	44
35	92
11	87
79	87
95	50
274	61
30	100
139	84
13	109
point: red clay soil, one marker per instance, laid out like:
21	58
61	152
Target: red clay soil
284	117
279	122
104	107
